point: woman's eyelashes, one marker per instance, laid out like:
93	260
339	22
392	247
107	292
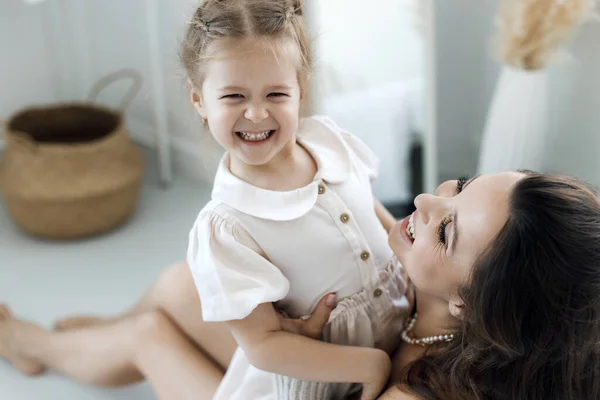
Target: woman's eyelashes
460	183
441	233
442	230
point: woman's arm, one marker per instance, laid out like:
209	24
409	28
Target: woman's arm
271	349
386	217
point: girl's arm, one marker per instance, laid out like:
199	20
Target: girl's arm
386	217
314	325
269	348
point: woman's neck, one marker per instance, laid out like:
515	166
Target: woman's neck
292	168
434	317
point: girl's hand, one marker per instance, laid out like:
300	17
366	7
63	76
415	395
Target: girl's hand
311	326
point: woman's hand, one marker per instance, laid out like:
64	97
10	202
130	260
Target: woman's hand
311	326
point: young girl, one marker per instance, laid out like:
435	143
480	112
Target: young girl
292	215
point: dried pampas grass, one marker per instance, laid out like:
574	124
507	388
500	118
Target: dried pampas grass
531	31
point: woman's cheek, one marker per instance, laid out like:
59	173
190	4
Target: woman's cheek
421	265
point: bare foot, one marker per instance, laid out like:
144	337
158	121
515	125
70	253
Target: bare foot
9	327
79	321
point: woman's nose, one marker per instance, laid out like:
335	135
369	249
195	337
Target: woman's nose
256	113
426	205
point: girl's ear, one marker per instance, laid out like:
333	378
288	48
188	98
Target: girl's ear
196	99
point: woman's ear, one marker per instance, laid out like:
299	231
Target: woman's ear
456	306
196	100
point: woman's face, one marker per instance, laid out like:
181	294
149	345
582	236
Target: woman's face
451	229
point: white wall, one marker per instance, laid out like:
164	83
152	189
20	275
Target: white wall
118	37
574	98
466	76
358	46
23	53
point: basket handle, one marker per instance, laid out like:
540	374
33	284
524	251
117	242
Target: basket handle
104	82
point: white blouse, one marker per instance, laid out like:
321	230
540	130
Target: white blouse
250	246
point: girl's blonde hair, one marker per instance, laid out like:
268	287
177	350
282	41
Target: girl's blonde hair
242	19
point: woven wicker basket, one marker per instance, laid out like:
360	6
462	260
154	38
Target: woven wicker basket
70	171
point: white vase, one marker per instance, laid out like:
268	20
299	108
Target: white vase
515	132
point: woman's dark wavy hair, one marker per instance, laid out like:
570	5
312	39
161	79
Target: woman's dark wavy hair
531	326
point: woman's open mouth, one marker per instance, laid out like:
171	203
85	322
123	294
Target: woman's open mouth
410	228
407	229
255	137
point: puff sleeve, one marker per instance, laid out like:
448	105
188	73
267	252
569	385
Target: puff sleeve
230	274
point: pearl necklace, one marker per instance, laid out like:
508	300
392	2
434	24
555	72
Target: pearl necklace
423	342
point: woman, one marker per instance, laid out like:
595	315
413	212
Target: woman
507	275
514	278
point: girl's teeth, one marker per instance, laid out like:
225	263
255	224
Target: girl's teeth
255	137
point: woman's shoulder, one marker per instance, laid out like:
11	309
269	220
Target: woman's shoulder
396	393
402	357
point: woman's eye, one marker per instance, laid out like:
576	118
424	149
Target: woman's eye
233	96
460	183
278	94
442	230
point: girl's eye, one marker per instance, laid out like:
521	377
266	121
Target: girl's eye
278	94
442	230
233	96
461	183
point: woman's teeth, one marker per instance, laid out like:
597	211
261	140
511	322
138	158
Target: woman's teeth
255	137
410	228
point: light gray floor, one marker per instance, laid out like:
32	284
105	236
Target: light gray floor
42	281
